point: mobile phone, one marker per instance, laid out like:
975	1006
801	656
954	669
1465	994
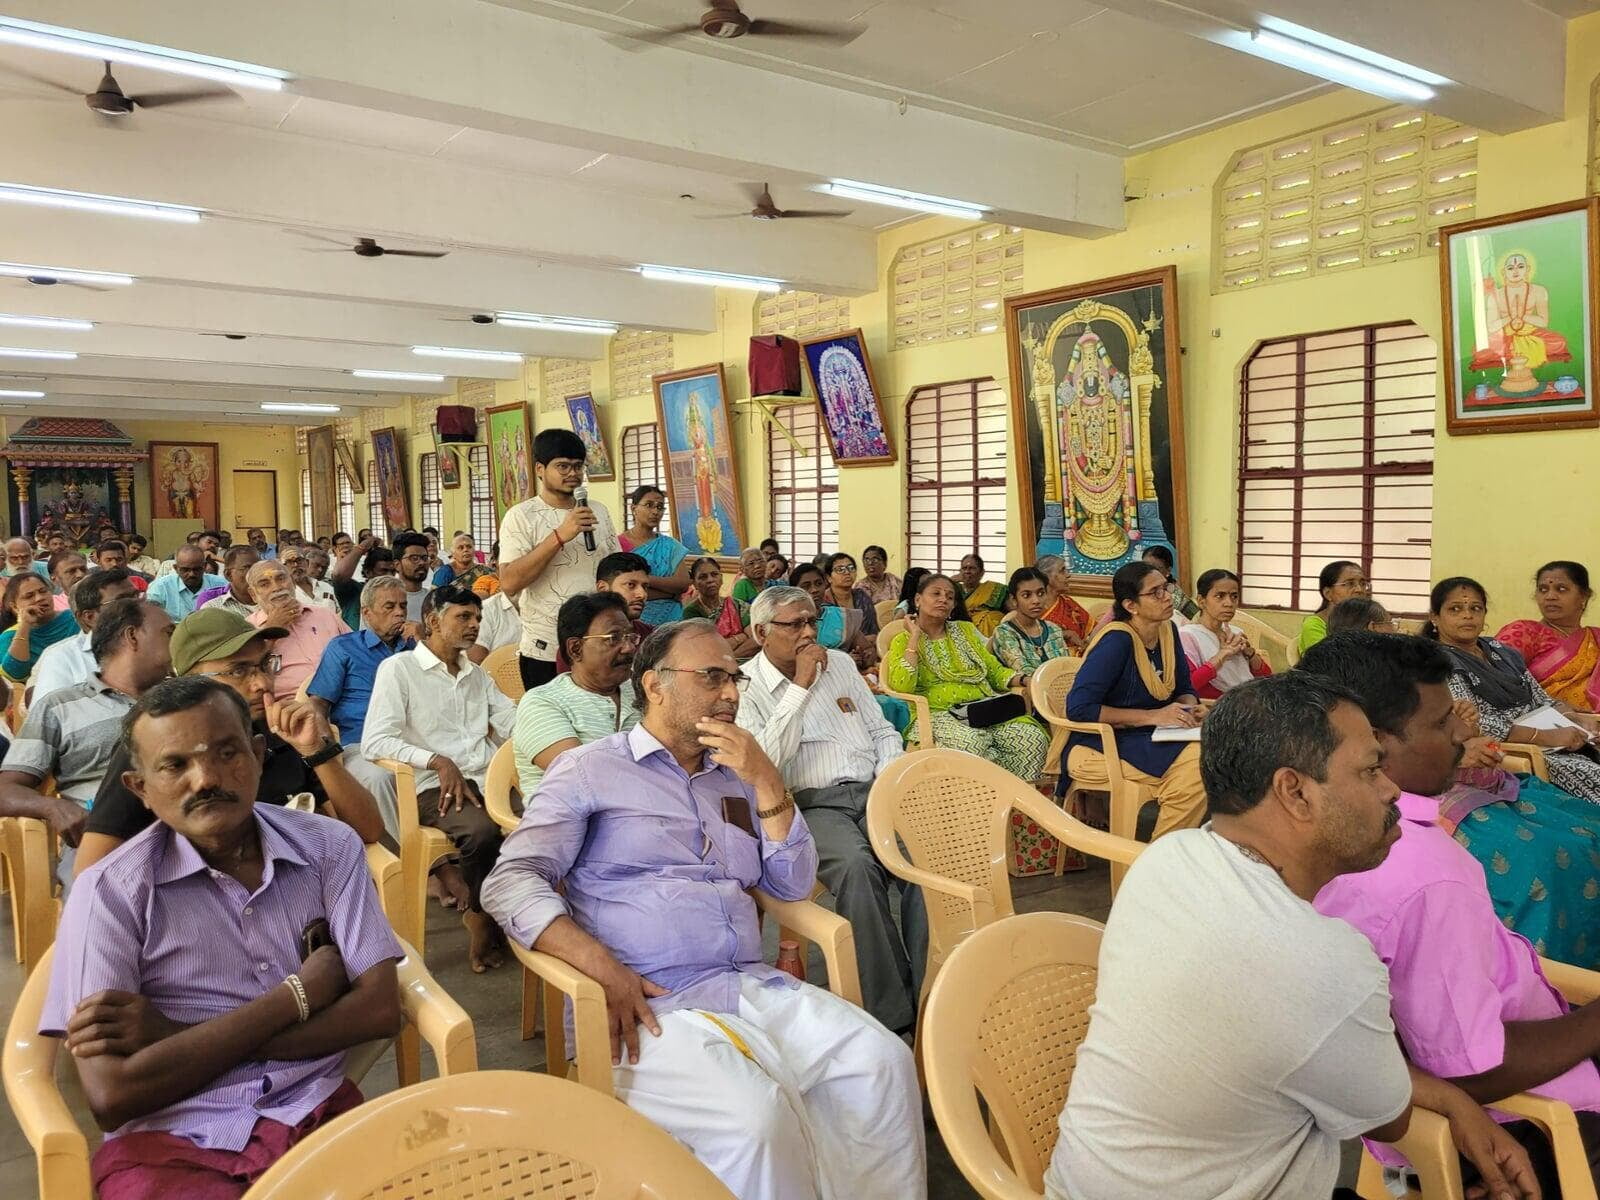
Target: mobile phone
315	936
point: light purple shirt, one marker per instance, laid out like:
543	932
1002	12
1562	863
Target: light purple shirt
1456	974
652	868
152	918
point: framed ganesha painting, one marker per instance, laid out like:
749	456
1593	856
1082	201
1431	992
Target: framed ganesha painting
849	400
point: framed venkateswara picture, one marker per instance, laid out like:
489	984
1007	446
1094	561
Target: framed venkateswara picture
697	448
391	480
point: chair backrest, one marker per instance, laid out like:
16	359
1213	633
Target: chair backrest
61	1150
886	633
1004	1021
885	610
1050	685
506	671
1096	608
499	784
1266	638
491	1134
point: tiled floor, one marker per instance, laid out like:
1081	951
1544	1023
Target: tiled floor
494	1002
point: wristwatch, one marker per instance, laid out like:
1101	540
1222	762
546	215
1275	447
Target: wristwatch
778	809
329	751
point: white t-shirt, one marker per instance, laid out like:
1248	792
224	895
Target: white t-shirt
569	573
500	625
1237	1037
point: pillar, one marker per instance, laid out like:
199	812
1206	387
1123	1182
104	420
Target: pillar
124	477
23	476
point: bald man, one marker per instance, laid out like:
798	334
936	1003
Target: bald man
179	592
311	627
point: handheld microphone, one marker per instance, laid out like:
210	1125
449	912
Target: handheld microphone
580	495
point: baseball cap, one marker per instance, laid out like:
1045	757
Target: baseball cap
209	633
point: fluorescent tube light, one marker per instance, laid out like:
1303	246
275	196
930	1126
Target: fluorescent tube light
500	356
872	193
518	320
21	352
65	274
1337	67
753	283
274	407
64	324
17	32
406	376
21	193
1350	50
18	394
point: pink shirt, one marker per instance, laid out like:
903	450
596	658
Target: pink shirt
302	650
1456	974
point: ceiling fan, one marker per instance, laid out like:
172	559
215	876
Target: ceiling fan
109	100
724	19
765	210
366	247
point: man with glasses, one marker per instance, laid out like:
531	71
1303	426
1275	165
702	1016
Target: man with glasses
300	753
412	557
179	593
626	574
816	719
236	595
543	552
71	660
774	1084
306	566
308	627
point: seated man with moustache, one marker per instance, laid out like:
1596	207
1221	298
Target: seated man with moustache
624	573
210	976
71	661
299	753
308	628
179	593
235	594
66	567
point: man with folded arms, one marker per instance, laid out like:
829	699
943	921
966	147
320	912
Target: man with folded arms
207	1029
309	627
1237	1037
71	661
782	1089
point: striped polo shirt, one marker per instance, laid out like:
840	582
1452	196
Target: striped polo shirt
560	710
71	734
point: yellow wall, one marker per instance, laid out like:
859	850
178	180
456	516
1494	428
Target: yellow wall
1502	503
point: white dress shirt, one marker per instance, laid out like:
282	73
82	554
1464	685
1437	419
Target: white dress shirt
831	732
419	709
61	665
501	624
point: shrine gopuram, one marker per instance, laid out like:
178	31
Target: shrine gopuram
71	474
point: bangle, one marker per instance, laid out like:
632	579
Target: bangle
779	809
301	1000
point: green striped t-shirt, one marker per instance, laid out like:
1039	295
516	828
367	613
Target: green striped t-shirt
560	710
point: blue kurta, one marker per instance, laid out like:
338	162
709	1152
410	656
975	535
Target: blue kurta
1109	676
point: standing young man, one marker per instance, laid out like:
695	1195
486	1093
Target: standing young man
543	551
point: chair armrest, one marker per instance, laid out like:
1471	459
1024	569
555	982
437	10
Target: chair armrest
1534	755
921	715
590	1026
831	933
1560	1126
28	849
384	867
441	1022
896	863
499	809
1065	827
1428	1146
1107	736
1577	984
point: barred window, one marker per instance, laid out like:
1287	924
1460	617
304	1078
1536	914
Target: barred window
805	487
305	501
480	513
380	524
956	475
428	477
347	503
641	464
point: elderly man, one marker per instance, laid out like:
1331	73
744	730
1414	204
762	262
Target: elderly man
72	660
784	1090
437	710
19	558
299	753
73	733
301	563
65	568
179	592
308	627
818	721
235	595
257	541
342	685
1299	1052
209	979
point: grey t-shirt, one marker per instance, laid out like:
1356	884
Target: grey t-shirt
414	603
1237	1037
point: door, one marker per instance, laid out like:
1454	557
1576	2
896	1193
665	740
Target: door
255	503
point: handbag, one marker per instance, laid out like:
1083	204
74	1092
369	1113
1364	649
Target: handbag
996	710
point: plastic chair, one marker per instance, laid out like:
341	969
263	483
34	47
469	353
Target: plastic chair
421	847
1004	1023
1265	638
1526	758
499	785
1048	692
884	610
922	713
61	1150
497	1134
25	852
506	671
591	1061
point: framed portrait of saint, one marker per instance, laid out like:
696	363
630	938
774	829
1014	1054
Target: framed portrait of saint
324	486
1519	297
849	399
183	482
586	424
697	448
391	480
1097	422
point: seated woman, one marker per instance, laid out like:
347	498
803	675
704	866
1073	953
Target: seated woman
31	624
986	600
1023	640
1135	679
881	584
945	659
1220	656
1493	678
1360	612
908	591
837	628
1562	652
752	575
1337	581
1061	609
842	590
730	616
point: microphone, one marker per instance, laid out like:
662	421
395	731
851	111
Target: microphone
580	495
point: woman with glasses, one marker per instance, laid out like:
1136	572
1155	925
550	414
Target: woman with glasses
1337	581
1135	679
730	616
880	584
588	701
842	591
1024	640
986	600
948	661
664	553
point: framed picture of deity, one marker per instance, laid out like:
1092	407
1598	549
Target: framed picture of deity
697	447
352	468
510	456
448	464
1097	419
586	424
183	482
389	468
1519	297
848	396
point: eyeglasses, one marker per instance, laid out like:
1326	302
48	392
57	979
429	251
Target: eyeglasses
613	640
1165	589
843	569
268	666
713	679
565	467
802	623
419	557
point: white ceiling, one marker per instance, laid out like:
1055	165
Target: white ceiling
549	150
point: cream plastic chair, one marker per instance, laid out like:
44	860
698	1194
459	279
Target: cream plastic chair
498	1135
506	671
884	610
61	1151
798	920
25	852
1266	639
1095	608
499	786
922	713
1003	1024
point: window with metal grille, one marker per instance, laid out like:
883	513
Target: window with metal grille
347	504
480	513
956	475
428	477
380	526
305	501
641	464
1336	462
804	484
